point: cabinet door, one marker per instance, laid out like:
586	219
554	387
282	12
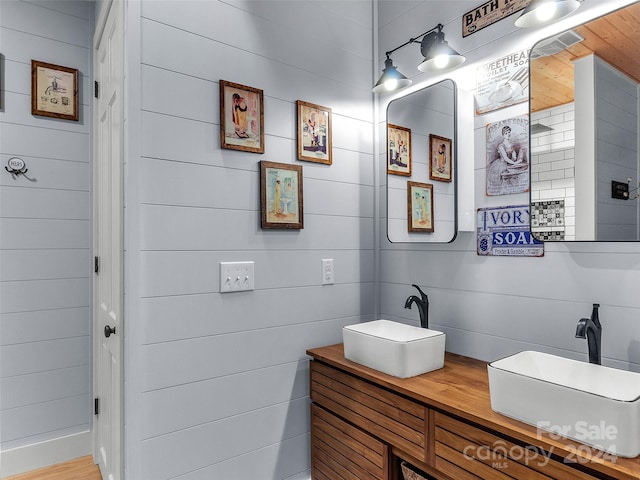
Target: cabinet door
465	452
397	420
341	451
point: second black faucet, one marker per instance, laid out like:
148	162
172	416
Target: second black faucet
422	303
591	329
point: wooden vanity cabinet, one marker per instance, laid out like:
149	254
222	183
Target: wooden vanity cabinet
341	449
466	452
364	425
396	420
355	424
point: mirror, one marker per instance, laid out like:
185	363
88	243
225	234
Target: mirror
584	131
421	165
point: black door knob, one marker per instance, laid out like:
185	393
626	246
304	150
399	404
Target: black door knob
109	330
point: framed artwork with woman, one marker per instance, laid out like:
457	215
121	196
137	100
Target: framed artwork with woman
507	156
420	207
241	117
398	150
314	133
439	158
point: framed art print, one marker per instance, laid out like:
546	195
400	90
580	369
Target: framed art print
398	150
54	91
281	203
420	207
314	133
241	117
439	158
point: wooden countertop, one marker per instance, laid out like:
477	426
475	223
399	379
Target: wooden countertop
461	388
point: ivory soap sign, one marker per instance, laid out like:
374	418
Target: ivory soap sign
504	231
490	13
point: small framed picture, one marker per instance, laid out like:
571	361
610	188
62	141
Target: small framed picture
54	91
281	203
314	133
241	117
420	207
398	150
439	158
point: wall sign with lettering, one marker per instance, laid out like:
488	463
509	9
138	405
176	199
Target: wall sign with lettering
489	13
508	156
502	82
504	231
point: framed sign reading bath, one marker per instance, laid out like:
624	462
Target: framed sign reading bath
54	91
241	117
489	13
281	195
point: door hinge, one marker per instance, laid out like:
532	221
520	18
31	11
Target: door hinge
96	89
96	264
96	406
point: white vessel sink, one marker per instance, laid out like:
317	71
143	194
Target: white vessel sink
394	348
596	405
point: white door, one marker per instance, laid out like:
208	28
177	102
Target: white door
108	245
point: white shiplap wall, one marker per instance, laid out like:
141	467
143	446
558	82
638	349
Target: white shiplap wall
491	307
45	233
223	387
616	104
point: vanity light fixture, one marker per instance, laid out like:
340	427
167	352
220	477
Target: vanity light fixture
391	79
543	12
437	53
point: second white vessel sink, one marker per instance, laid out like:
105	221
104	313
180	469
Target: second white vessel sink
394	348
596	405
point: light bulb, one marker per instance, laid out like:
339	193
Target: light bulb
441	61
391	84
546	11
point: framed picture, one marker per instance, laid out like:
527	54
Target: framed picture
398	150
314	133
241	117
420	207
54	91
281	195
439	158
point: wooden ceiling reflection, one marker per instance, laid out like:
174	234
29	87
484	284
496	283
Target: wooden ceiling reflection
615	38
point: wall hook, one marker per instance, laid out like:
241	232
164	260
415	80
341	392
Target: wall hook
16	166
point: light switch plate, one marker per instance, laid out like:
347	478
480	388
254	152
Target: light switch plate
236	276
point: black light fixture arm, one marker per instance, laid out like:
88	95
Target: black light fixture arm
438	27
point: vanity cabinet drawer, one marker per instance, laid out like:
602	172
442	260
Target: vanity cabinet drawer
340	450
390	417
465	452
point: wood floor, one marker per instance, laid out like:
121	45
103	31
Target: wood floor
79	469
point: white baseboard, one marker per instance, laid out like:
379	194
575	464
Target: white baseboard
44	454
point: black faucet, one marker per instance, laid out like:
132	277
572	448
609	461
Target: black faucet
423	306
591	329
